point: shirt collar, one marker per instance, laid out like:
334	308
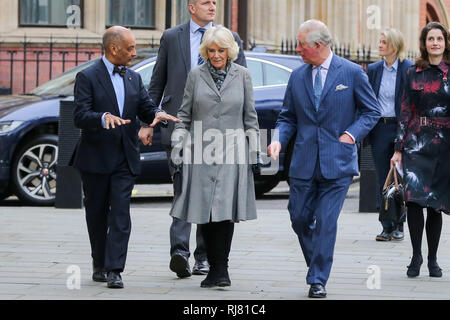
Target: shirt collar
108	64
393	67
326	64
194	27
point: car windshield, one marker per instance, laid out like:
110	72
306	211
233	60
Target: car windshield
63	84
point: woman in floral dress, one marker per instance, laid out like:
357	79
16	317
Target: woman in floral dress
423	145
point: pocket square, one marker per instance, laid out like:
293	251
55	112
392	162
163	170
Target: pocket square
341	87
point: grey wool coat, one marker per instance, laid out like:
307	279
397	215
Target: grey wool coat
220	136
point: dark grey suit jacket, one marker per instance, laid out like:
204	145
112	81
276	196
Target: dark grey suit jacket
171	69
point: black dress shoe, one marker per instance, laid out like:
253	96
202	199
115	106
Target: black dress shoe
434	269
317	291
414	266
114	280
180	265
100	276
201	267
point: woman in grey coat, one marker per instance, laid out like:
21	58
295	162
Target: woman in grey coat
217	144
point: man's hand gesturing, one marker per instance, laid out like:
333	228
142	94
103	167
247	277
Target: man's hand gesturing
111	120
163	116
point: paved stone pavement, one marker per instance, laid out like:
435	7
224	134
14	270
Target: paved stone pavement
39	245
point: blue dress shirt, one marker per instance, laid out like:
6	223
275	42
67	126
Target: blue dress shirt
196	37
386	96
119	87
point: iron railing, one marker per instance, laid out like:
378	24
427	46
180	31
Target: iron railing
43	61
361	54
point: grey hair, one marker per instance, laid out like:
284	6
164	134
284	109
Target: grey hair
317	31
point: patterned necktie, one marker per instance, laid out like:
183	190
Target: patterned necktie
200	59
120	70
317	87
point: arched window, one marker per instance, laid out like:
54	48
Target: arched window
432	15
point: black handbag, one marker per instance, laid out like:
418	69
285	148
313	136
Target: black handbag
393	200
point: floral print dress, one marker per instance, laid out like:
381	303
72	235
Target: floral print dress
424	137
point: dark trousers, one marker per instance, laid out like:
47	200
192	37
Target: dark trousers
382	139
107	203
314	207
180	232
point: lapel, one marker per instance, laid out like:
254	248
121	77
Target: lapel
127	84
232	73
105	80
378	77
184	39
333	74
206	76
308	84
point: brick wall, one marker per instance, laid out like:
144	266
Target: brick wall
234	15
423	10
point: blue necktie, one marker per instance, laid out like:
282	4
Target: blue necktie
200	59
317	87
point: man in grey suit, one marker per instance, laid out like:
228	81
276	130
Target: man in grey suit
177	55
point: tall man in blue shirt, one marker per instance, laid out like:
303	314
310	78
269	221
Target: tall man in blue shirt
177	55
108	98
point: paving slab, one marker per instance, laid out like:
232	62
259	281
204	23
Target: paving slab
40	246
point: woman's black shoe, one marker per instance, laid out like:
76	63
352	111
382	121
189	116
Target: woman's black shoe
434	269
223	280
414	267
211	278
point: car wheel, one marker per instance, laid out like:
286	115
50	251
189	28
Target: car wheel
34	171
263	186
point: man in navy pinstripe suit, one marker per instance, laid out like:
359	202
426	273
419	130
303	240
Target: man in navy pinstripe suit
329	106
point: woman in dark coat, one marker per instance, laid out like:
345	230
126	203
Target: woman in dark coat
423	144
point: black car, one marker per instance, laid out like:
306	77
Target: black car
29	129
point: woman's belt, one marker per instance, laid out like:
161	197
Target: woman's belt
437	123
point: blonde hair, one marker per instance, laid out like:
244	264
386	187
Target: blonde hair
223	38
395	37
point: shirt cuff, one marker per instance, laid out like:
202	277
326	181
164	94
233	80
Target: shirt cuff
103	119
351	136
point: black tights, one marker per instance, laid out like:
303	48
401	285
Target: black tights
433	228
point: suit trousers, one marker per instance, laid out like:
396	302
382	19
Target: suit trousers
382	139
314	207
107	202
180	231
